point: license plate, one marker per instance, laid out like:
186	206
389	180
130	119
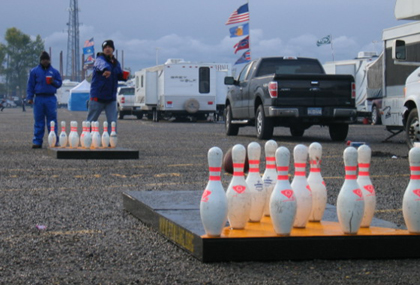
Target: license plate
314	111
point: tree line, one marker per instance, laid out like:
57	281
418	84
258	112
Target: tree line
17	56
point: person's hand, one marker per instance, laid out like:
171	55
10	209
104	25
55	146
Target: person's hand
106	73
30	101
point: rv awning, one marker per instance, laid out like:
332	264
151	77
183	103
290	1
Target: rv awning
407	10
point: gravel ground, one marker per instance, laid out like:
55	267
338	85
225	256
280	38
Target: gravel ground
84	236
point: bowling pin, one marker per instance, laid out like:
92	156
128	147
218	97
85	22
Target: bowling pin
364	155
301	187
113	139
63	136
238	194
105	135
255	183
316	183
411	199
87	138
283	204
82	135
96	137
350	202
73	136
213	205
52	137
270	173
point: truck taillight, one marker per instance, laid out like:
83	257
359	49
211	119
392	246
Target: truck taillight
272	89
353	90
122	100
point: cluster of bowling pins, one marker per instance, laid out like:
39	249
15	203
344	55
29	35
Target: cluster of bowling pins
90	138
288	204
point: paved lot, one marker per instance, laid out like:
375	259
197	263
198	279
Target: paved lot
90	239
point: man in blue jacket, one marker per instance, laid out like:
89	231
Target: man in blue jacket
43	82
103	89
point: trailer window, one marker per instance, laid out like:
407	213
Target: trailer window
204	80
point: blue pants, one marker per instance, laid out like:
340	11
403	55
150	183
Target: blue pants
96	108
45	111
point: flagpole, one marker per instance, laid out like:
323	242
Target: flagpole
332	48
249	29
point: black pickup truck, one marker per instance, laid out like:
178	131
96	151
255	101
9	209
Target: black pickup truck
291	92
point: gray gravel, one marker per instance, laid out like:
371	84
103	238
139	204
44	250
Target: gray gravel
90	239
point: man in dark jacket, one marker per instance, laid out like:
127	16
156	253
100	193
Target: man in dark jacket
43	82
103	90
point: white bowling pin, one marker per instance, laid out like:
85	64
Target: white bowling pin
364	155
411	199
73	136
52	137
63	136
96	137
316	182
301	187
105	135
350	203
213	205
270	173
283	204
82	135
113	139
87	138
255	183
238	194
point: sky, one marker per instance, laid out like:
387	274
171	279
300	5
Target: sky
151	31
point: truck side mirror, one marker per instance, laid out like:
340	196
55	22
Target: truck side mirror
399	50
230	80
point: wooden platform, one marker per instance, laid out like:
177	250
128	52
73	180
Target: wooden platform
176	215
98	153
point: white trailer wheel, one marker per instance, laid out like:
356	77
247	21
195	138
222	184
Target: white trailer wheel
192	106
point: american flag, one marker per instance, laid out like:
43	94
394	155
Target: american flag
243	44
239	16
89	43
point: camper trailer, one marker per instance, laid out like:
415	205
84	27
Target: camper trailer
357	68
393	78
182	89
63	93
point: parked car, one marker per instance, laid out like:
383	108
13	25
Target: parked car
9	104
125	103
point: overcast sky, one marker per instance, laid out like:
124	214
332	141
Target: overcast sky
195	30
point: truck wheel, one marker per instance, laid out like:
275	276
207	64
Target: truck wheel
296	131
412	128
155	115
120	115
231	129
263	124
338	132
375	117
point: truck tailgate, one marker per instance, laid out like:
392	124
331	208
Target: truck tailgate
313	90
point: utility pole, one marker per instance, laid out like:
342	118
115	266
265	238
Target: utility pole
73	49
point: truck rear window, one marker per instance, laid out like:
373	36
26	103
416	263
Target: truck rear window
286	66
126	91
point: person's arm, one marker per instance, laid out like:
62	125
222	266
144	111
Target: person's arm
57	82
30	89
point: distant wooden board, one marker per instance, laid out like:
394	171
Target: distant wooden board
98	153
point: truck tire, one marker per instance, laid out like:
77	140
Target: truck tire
296	131
375	117
192	106
264	126
231	129
120	115
412	128
155	115
339	132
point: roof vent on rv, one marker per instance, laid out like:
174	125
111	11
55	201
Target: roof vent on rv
174	60
366	54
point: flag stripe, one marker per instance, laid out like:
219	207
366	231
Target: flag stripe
240	15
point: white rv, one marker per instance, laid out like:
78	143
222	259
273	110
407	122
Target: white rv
357	68
63	93
182	89
393	78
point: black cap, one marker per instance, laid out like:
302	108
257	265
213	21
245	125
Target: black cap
44	55
109	43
